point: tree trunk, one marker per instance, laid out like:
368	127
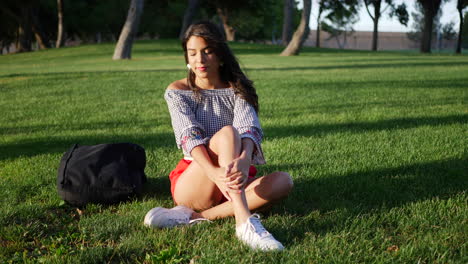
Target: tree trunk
375	34
39	33
24	31
426	39
123	50
60	38
229	31
460	30
43	44
375	20
431	7
287	21
317	37
98	37
188	16
317	33
301	33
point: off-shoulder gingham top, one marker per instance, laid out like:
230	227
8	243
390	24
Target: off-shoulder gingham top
196	121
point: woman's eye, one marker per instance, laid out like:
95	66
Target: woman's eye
192	54
208	51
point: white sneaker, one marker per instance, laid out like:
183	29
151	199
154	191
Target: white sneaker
256	236
163	217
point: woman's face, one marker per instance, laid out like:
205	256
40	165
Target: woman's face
202	58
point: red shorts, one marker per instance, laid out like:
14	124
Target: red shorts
182	166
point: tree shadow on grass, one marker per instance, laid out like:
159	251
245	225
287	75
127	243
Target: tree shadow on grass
361	192
364	191
365	66
74	127
157	188
460	83
58	75
53	145
286	111
356	127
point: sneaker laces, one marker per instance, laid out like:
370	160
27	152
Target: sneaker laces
257	227
175	219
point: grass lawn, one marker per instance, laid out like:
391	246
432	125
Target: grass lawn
376	144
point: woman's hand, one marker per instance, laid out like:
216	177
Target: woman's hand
219	177
237	174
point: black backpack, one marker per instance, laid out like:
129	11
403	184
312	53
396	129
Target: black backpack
104	173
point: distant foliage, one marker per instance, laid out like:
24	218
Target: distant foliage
251	19
443	31
339	22
94	21
448	31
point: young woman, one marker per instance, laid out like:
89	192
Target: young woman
215	122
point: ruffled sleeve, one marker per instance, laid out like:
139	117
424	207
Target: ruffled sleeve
247	123
188	132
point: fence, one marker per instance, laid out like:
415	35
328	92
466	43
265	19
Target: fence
362	40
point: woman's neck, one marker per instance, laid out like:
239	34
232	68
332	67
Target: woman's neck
210	83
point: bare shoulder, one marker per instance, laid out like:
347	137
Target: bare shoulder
179	85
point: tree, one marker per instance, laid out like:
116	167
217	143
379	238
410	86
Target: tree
123	50
461	4
418	25
301	33
39	32
190	12
448	32
399	11
21	13
340	19
25	21
465	32
245	19
430	7
329	10
288	9
229	31
322	7
60	36
259	20
7	32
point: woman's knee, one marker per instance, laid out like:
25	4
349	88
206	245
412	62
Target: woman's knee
225	137
285	181
228	132
279	185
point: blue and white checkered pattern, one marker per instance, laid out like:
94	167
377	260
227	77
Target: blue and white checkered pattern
196	121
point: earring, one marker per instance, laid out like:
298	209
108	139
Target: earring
188	66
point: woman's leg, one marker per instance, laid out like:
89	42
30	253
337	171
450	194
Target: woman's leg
260	194
195	190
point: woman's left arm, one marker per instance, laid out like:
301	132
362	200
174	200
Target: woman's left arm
247	124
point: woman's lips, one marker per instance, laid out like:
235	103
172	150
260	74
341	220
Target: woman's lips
201	68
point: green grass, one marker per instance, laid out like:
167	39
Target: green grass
376	144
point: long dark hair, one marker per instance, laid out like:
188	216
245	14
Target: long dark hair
230	70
